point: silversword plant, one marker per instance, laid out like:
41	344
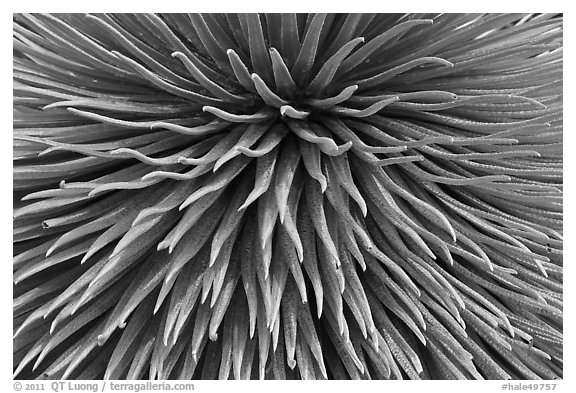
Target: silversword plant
288	196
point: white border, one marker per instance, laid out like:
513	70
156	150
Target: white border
285	6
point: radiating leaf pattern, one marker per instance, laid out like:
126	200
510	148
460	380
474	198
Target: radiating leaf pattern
288	196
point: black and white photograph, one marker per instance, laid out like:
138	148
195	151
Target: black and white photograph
287	196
